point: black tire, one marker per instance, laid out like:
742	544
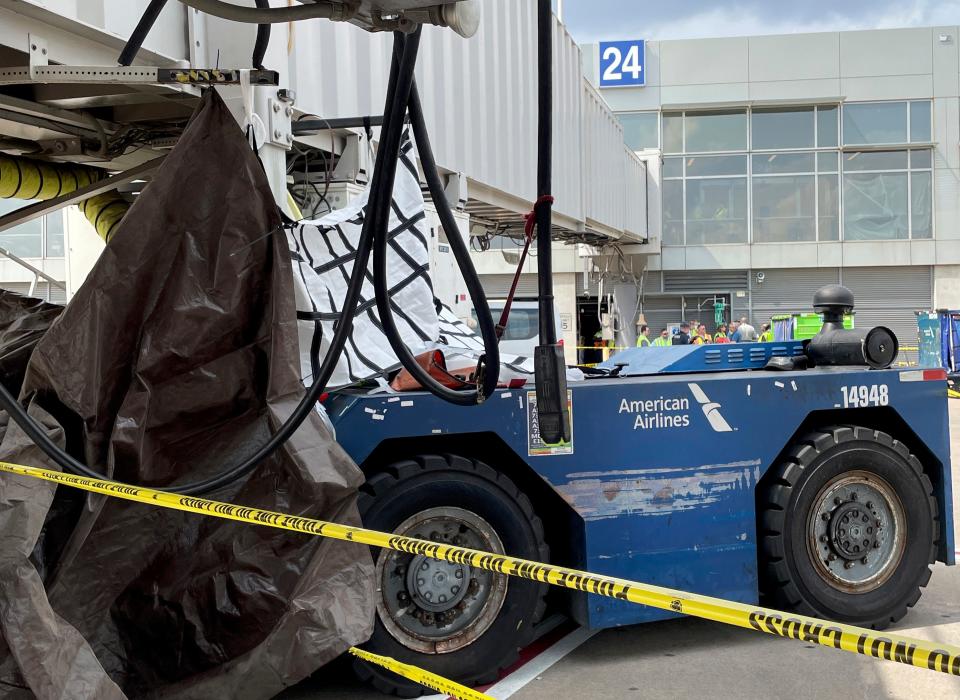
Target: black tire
816	574
428	482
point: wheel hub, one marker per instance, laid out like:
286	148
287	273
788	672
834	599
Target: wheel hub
437	586
854	531
856	534
437	607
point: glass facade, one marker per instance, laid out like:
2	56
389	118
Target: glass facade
40	238
860	171
641	130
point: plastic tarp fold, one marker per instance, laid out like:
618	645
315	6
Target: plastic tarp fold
177	358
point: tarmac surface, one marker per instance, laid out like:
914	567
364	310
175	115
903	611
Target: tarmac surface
697	658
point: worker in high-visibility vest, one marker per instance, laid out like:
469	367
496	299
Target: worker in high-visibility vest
766	335
701	337
721	335
663	340
643	341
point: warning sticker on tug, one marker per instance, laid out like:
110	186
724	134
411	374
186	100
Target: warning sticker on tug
536	447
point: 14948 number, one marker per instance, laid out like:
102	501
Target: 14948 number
860	396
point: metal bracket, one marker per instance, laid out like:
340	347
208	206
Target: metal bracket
456	190
38	209
37	53
279	126
128	75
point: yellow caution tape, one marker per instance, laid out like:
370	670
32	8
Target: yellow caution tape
424	678
944	658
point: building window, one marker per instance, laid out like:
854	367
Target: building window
673	132
640	130
783	128
887	195
784	177
886	123
785	196
828	126
40	238
705	132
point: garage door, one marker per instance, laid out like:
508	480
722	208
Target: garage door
890	296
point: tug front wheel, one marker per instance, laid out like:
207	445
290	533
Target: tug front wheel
462	623
849	528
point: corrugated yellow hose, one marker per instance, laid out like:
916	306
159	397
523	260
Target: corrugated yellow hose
23	178
105	211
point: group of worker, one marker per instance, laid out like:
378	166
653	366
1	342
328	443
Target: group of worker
695	333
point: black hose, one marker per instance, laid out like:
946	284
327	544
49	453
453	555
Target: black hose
491	357
140	32
378	208
381	280
548	328
263	39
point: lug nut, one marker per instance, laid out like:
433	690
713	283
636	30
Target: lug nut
832	556
825	516
863	561
848	565
837	501
824	538
876	545
869	505
853	496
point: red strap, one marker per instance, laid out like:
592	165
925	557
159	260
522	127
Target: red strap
529	222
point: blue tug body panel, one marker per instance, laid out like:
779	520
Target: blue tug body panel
662	470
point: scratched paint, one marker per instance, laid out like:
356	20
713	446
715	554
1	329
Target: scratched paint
656	491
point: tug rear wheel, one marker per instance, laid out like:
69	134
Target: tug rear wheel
849	528
460	622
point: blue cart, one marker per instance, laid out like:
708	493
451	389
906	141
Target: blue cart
825	491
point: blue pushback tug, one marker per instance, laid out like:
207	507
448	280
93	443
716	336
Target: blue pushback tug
739	471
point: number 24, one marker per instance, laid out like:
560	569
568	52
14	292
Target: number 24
620	65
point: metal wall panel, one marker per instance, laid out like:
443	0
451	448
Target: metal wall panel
498	286
704	281
116	18
604	161
636	196
479	95
890	287
789	291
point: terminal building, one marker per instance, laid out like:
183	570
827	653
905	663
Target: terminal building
742	172
778	164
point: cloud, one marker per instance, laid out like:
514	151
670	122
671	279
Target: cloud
743	20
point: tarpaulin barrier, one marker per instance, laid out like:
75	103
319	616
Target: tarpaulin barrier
177	358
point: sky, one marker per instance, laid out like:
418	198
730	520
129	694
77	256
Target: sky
594	20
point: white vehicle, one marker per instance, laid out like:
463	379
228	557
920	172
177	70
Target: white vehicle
522	334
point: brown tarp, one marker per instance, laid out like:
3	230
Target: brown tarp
177	358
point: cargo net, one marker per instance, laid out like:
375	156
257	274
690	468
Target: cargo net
323	253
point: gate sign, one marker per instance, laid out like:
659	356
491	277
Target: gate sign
622	63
